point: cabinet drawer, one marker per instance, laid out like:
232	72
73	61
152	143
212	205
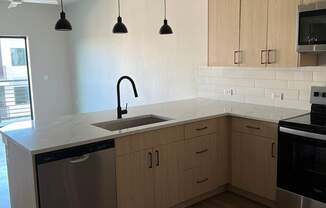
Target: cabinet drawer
200	128
199	181
200	151
254	127
147	140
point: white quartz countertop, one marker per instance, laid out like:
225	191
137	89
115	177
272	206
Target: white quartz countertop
75	130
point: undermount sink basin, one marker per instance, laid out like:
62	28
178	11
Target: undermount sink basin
130	122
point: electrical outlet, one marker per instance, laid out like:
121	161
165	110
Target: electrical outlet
229	92
278	96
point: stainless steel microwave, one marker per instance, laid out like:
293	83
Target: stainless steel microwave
312	28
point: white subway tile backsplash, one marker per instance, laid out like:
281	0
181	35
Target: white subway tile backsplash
255	92
287	94
235	83
293	75
304	95
319	76
271	84
304	85
261	86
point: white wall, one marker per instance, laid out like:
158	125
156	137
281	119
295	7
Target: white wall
163	67
48	56
261	85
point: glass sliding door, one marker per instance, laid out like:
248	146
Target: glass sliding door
15	91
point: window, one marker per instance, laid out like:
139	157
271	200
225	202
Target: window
21	95
15	102
18	56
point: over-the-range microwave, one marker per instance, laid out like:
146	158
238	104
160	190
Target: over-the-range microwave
312	28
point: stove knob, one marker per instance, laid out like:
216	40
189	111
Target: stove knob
316	94
324	94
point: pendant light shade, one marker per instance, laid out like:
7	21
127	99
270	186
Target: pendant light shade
119	27
63	24
165	29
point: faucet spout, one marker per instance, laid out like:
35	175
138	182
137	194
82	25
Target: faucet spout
120	112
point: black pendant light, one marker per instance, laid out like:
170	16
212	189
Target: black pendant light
63	24
165	29
119	27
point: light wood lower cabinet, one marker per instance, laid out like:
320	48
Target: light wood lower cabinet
163	168
135	179
254	164
169	166
201	165
151	177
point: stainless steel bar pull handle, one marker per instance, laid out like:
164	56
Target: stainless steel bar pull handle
269	56
81	159
236	57
202	180
273	150
201	129
157	153
150	160
202	151
253	127
262	59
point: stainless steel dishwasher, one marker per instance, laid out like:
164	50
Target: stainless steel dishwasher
78	177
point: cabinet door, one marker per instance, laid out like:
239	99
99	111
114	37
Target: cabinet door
223	150
135	180
253	33
282	17
254	164
169	174
224	22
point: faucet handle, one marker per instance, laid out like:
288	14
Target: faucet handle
125	111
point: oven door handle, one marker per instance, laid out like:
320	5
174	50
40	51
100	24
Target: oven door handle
303	133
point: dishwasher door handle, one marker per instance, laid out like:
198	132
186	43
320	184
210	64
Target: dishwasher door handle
81	159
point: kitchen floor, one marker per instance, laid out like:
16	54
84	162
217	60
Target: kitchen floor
227	200
4	187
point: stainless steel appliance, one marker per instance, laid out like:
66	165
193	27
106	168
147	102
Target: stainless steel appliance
301	174
312	27
78	177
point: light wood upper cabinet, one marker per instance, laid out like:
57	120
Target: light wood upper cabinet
253	33
282	17
224	22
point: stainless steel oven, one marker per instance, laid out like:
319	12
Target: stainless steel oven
302	164
312	27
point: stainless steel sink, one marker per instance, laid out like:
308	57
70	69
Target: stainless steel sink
130	122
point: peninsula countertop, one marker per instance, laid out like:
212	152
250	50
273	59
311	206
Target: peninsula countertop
74	130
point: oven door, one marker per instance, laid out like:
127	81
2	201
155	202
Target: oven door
302	163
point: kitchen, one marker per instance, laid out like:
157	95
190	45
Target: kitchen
211	86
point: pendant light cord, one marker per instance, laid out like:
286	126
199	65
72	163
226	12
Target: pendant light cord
61	6
165	9
119	7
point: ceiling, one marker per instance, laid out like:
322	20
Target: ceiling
43	1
